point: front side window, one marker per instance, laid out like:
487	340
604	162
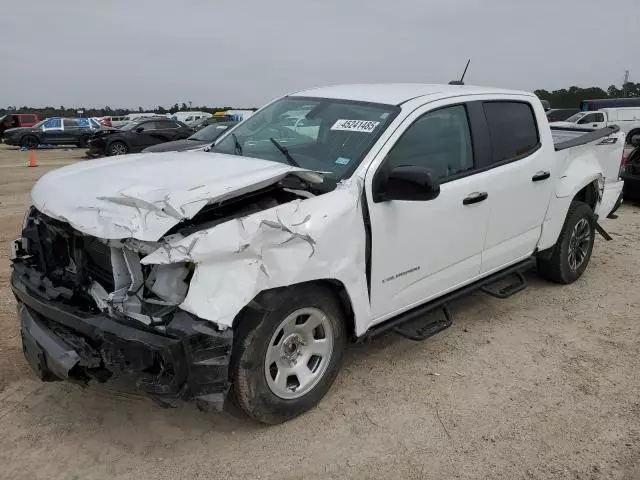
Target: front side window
439	140
166	124
52	123
147	126
326	135
512	128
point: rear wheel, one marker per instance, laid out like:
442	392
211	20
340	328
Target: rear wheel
29	141
288	353
117	148
567	260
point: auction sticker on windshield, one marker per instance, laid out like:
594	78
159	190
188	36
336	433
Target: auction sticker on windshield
365	126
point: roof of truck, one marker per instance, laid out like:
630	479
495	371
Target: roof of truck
398	93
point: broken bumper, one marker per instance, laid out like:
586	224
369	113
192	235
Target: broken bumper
190	362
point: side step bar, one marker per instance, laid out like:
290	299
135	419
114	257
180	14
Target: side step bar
505	292
412	323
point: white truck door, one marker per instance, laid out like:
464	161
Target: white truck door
523	167
420	249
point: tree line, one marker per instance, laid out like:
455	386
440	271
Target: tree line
572	96
62	111
563	98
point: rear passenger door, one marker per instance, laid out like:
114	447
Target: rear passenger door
169	130
521	167
71	131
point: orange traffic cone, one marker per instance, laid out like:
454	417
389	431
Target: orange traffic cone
32	160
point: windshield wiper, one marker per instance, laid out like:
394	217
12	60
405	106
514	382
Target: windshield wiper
237	147
285	152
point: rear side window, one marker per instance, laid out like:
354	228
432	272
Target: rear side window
71	123
512	128
439	140
164	124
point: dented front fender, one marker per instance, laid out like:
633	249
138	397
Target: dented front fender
311	239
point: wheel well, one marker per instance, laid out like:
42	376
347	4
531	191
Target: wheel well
335	286
631	134
588	195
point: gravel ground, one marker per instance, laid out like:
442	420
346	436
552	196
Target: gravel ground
544	385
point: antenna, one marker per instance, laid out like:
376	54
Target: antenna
461	81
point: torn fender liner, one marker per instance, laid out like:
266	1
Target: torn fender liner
189	362
148	194
300	241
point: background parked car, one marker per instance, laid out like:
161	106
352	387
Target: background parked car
205	136
53	131
136	136
17	120
560	114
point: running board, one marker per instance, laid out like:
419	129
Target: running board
420	329
417	314
511	289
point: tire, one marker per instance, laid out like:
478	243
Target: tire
630	136
29	141
556	264
268	330
117	148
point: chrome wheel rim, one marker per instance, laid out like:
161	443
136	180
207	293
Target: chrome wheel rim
299	353
118	149
579	244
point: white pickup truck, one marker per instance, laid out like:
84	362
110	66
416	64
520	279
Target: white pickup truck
246	270
626	118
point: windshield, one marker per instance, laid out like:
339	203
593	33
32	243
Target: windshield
326	135
40	123
209	133
576	117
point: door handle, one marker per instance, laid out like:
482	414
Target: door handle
540	176
475	197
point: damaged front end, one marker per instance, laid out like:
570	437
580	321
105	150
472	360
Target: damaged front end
90	310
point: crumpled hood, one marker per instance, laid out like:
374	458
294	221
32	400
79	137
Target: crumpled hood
143	196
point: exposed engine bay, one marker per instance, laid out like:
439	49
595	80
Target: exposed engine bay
107	275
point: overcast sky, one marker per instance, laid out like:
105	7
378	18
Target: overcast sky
126	53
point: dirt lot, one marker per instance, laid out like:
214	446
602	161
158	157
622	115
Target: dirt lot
545	385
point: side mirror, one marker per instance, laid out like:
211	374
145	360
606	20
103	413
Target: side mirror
405	183
139	129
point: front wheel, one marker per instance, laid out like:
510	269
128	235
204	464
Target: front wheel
287	353
117	148
29	142
567	260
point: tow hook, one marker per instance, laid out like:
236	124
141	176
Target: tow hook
603	232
